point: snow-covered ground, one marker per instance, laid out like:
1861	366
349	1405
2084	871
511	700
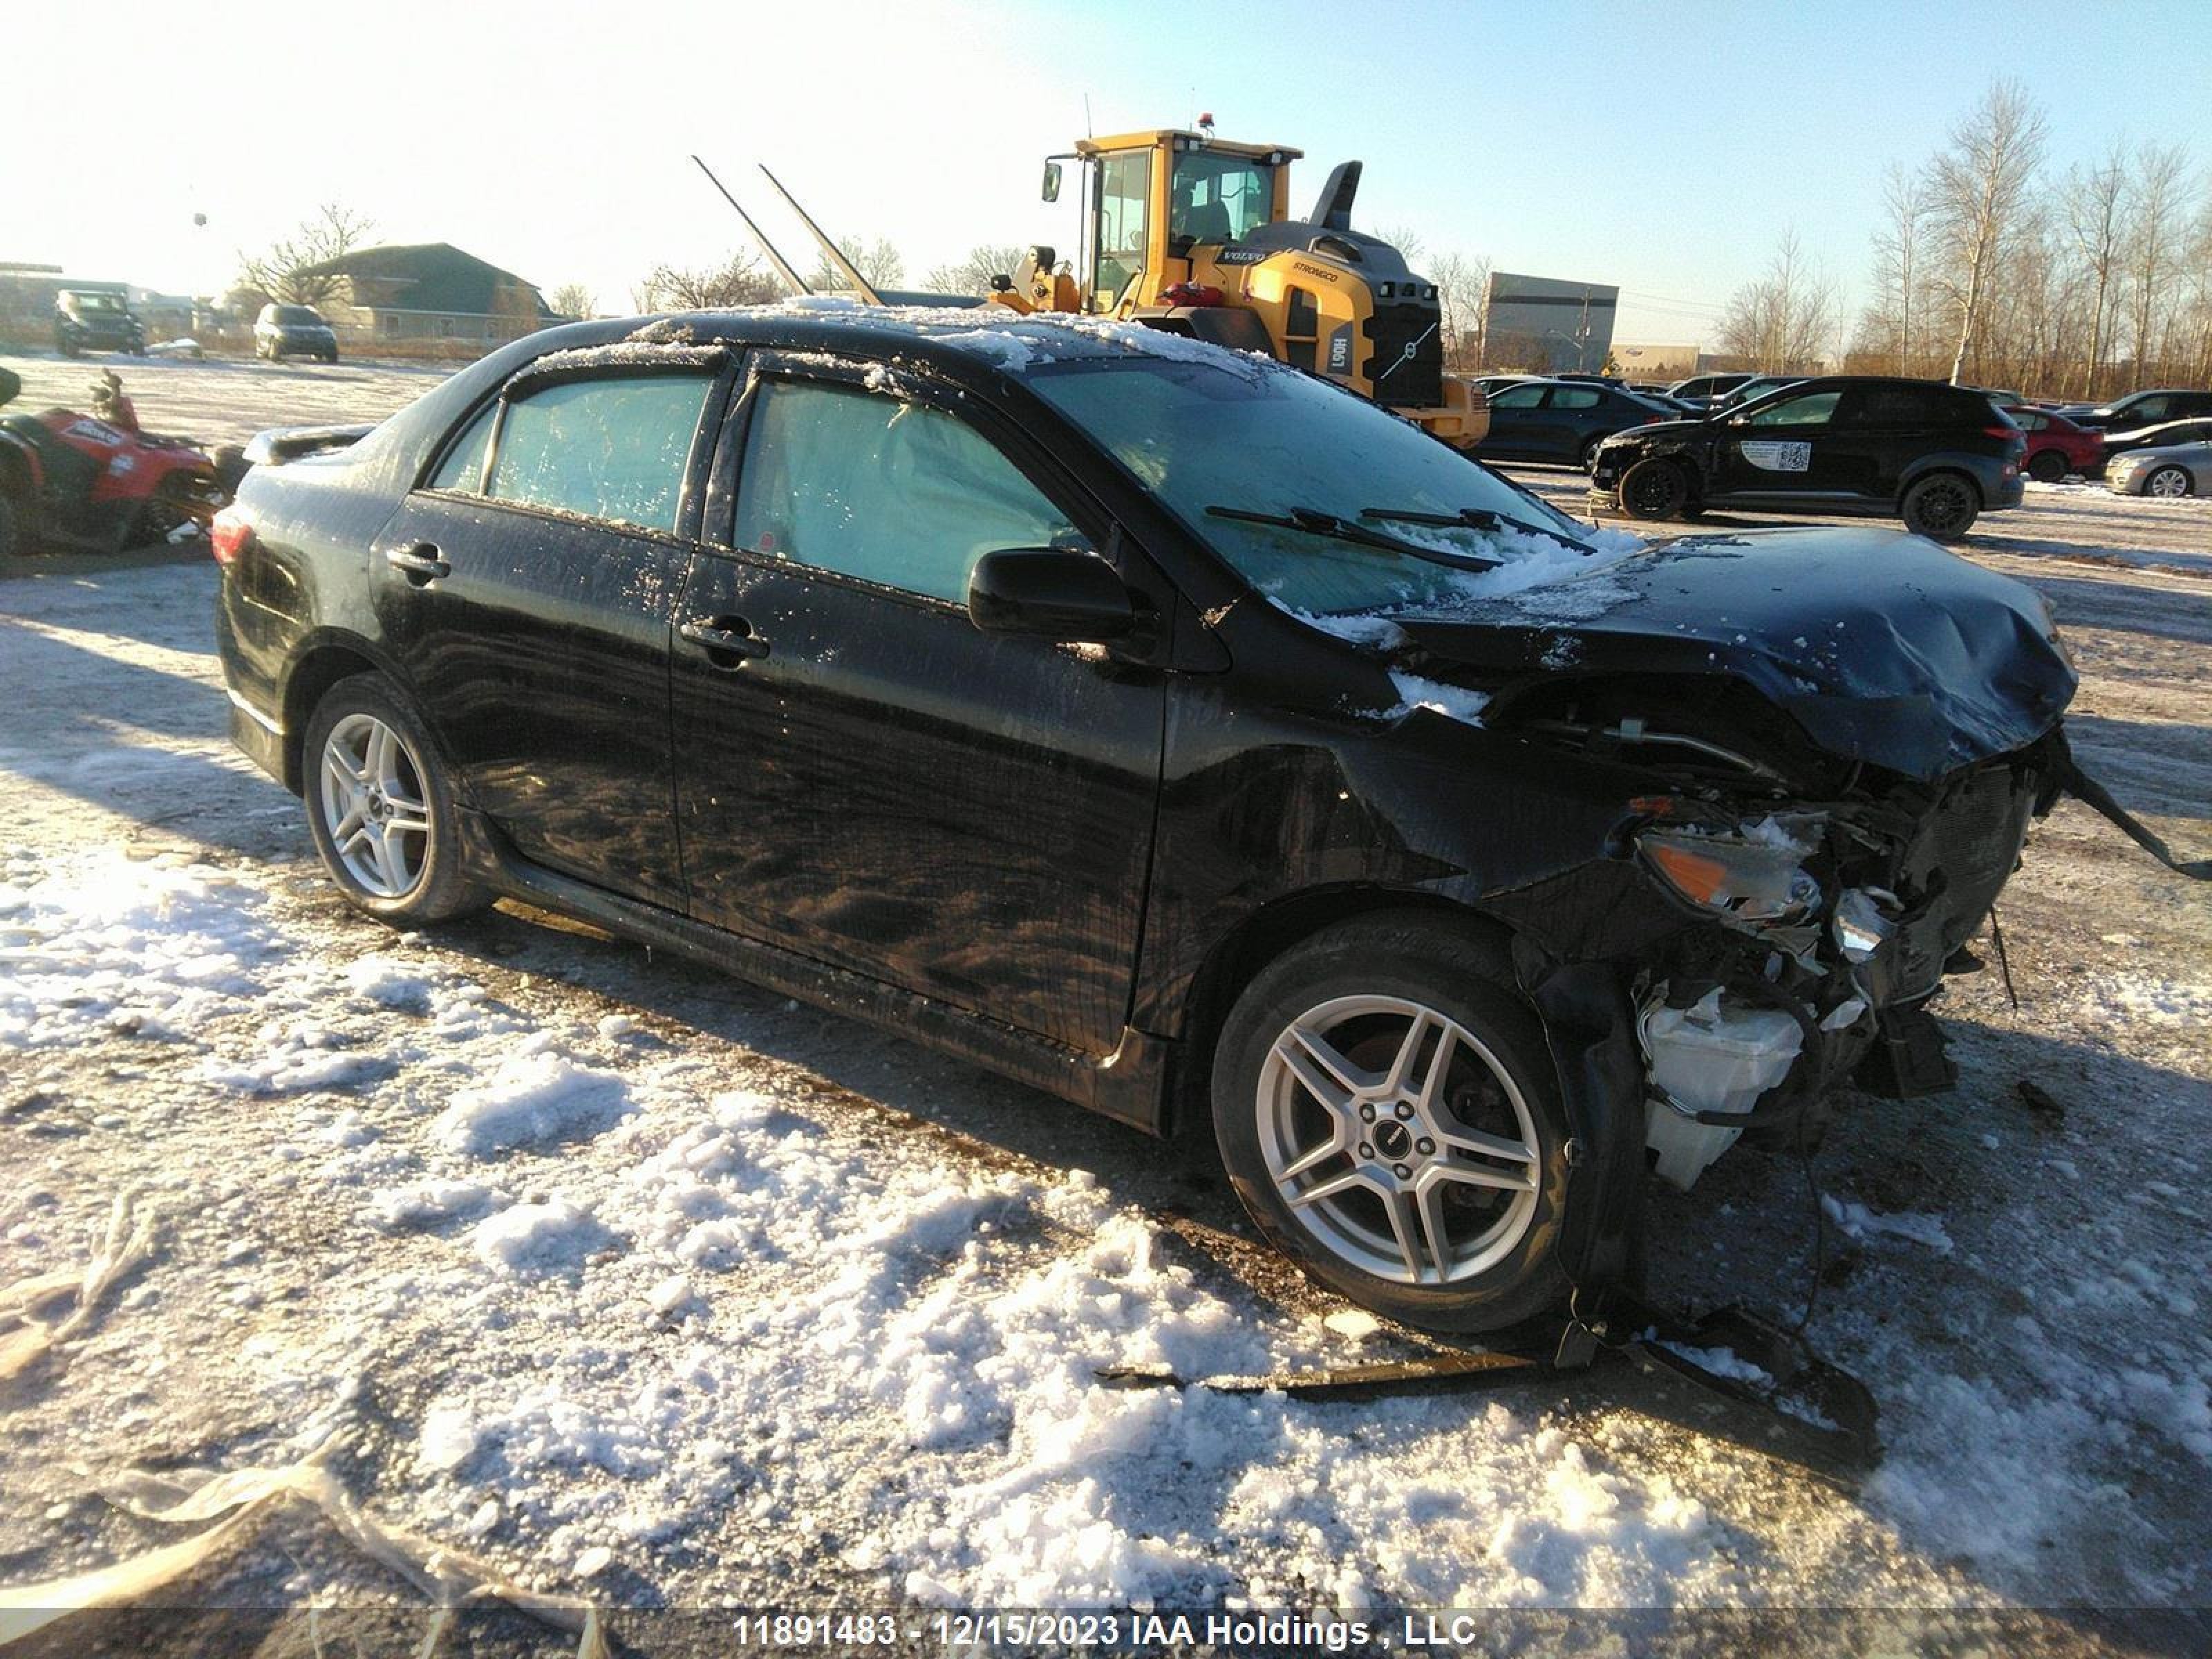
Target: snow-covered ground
647	1286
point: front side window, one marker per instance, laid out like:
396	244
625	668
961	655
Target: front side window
1814	408
1218	198
1519	397
615	448
893	493
1125	184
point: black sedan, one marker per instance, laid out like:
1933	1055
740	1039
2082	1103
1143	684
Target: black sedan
1564	420
2165	434
2140	409
1936	456
1168	729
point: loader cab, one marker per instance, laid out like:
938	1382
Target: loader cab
1155	196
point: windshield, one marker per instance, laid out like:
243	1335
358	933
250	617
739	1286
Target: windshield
1219	198
296	314
1257	438
96	302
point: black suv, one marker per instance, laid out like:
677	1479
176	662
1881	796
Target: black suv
282	331
1170	729
2139	408
96	319
1935	455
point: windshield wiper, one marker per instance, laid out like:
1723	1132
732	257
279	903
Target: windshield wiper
1475	518
1315	523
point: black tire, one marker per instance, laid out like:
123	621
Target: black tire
11	531
1507	1271
71	349
160	512
1941	507
2176	479
2046	466
231	467
1654	489
442	886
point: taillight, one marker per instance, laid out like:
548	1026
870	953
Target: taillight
2003	432
230	535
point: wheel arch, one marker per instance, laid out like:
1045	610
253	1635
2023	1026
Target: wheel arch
321	665
1935	466
1263	936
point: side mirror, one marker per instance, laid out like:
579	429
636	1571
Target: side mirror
1051	181
1058	593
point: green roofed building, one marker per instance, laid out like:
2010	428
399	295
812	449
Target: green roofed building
427	290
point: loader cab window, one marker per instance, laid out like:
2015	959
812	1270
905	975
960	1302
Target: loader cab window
1218	198
1125	185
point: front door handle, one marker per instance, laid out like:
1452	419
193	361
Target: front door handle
728	642
420	564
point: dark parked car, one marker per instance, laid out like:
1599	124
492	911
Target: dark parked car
282	331
1703	391
2139	408
1562	420
1936	456
2163	435
1166	729
2056	446
96	319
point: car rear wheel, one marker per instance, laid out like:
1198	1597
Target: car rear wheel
1941	507
1654	489
381	809
2169	481
1388	1112
2046	466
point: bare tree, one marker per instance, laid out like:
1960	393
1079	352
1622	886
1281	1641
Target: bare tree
1404	237
741	281
973	274
284	272
573	300
878	261
1978	187
2093	199
1785	319
1462	281
2155	214
1900	251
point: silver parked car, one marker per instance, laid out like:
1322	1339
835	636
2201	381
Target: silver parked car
2167	470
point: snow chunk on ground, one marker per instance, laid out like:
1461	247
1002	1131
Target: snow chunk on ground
1861	1222
535	1236
426	1203
532	1100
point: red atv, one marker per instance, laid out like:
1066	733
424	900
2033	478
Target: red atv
95	482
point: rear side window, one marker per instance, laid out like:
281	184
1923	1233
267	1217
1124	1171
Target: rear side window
893	493
463	467
1576	397
614	448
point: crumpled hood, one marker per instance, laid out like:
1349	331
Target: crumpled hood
1881	646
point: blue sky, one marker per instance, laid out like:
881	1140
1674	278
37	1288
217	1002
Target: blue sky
1661	148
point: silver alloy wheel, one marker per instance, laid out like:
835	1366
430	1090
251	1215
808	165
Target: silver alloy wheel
1362	1111
374	806
2168	481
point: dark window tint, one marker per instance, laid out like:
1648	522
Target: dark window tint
463	467
1518	396
892	493
1814	408
2027	420
613	449
1576	397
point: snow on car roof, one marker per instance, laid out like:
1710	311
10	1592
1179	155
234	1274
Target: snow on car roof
1006	339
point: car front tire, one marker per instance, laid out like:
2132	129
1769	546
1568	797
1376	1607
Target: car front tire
1941	507
1654	489
1388	1112
382	810
2170	482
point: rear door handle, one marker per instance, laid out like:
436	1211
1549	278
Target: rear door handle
728	642
419	563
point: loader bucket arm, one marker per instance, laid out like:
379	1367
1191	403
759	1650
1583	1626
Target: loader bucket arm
783	267
830	250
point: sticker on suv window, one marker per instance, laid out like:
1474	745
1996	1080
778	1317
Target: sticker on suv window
1780	457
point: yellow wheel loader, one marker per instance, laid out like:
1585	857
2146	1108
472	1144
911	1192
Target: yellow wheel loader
1185	232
